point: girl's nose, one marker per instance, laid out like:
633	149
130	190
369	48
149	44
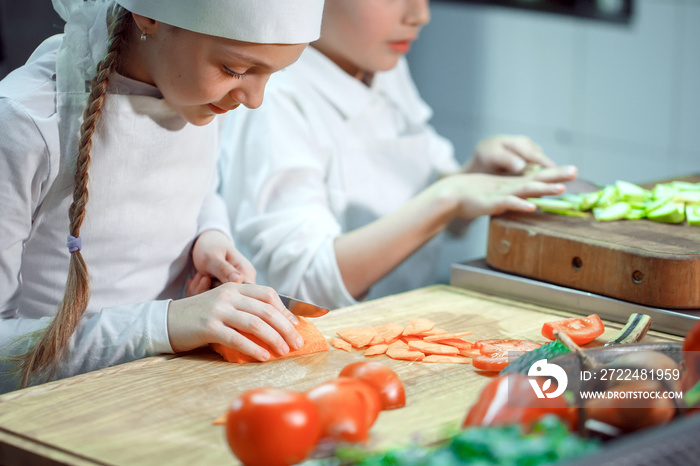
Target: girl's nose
417	12
251	93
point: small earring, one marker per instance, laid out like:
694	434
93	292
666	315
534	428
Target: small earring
144	36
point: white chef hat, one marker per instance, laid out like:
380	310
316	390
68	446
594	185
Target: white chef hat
260	21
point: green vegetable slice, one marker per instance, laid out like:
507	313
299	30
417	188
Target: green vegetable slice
547	204
671	212
617	211
667	202
692	214
631	192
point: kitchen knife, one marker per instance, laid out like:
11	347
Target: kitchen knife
296	307
300	308
581	186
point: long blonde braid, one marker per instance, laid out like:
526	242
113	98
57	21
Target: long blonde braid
42	359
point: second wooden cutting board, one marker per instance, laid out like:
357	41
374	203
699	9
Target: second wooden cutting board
640	261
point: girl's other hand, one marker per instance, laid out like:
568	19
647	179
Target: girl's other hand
221	314
215	256
198	284
506	155
473	195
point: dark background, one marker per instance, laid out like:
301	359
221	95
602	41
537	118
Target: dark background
606	10
24	24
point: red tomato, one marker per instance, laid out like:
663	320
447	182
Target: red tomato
348	408
500	348
495	354
510	399
580	330
489	363
272	426
381	378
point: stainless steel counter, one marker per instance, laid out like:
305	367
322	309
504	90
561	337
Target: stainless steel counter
479	276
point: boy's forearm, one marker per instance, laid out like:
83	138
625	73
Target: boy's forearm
369	253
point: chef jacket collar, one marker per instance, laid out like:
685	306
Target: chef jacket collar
350	96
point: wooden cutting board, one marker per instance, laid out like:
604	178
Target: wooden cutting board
640	261
159	410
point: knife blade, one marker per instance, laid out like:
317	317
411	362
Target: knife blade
301	308
581	186
295	306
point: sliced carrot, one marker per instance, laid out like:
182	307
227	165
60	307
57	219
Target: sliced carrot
404	354
314	342
220	420
399	344
432	332
470	352
340	344
456	342
376	350
432	348
441	358
411	338
378	340
358	337
446	336
390	331
418	326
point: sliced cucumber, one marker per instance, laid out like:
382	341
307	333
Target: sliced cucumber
671	202
687	196
661	191
670	212
631	192
692	214
608	197
685	186
635	214
650	207
616	211
590	200
549	205
570	213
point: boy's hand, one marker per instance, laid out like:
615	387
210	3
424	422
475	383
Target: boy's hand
506	155
474	195
215	256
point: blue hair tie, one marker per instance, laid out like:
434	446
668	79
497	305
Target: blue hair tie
74	244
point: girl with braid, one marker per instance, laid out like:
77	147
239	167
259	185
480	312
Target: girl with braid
108	184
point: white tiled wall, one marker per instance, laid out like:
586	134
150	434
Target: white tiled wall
618	101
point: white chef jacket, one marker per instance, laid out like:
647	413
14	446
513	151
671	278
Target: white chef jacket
152	187
324	155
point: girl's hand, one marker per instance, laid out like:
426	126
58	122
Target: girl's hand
221	314
215	256
198	284
506	155
474	195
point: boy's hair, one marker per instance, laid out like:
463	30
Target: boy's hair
42	359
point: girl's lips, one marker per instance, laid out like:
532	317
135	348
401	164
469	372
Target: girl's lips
217	110
401	46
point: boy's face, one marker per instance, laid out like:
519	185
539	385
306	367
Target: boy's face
370	35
